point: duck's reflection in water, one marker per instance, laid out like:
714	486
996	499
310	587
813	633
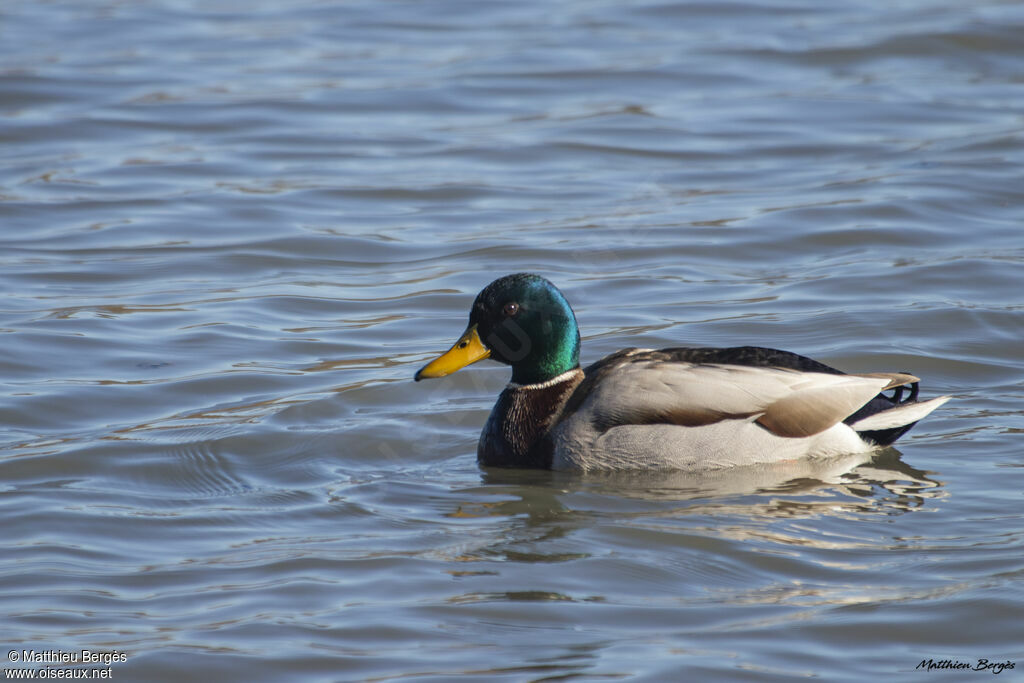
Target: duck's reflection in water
879	482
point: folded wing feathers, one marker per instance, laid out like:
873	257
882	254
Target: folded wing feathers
895	379
786	402
814	409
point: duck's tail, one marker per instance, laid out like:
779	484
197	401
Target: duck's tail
886	418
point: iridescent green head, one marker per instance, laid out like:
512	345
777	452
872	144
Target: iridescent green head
521	320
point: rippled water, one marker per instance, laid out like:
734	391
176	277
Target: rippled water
231	232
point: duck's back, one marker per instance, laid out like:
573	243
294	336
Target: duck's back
699	409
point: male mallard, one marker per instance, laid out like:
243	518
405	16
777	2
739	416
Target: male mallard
681	408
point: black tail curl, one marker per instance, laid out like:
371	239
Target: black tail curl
885	437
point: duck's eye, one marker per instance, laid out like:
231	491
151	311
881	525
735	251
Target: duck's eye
511	308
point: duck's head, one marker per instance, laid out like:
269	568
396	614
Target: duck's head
521	320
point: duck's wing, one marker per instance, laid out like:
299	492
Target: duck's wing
750	356
786	394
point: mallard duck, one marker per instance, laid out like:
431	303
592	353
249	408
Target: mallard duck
678	408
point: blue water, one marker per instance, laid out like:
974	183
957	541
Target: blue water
230	233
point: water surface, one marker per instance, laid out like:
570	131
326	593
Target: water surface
231	234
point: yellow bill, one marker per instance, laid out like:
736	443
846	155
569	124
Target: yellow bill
469	349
